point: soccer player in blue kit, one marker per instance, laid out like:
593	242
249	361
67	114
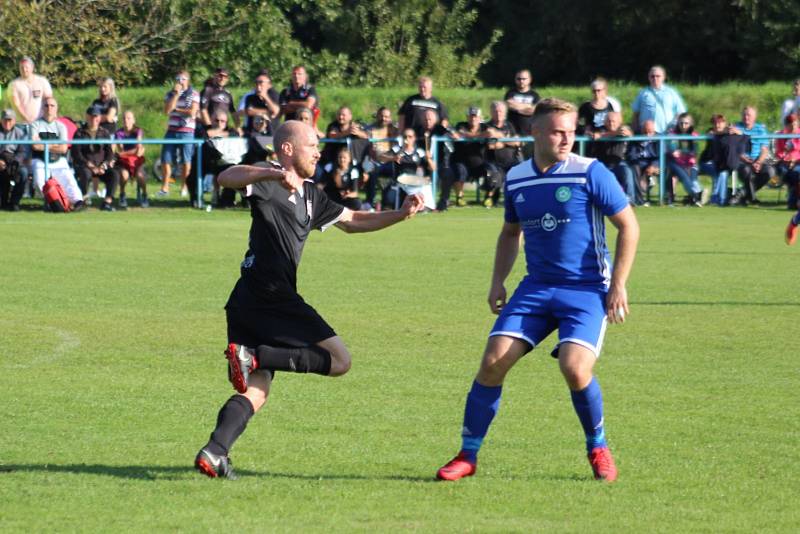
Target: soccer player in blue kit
557	201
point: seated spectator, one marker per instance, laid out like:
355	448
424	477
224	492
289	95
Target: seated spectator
260	102
299	94
791	105
469	158
440	154
220	152
721	157
787	151
344	128
46	128
108	103
612	153
592	114
383	128
216	98
682	161
130	159
500	155
259	140
13	171
412	111
408	158
95	163
341	181
754	168
643	158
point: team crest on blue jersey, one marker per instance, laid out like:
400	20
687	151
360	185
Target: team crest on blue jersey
563	193
549	223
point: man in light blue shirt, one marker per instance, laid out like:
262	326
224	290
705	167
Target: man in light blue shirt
754	170
659	102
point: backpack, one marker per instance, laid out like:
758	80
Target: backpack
55	197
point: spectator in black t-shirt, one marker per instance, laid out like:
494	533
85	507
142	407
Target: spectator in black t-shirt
344	127
407	158
259	141
261	101
521	102
341	181
95	163
592	114
412	112
215	98
440	153
382	128
298	95
108	103
500	155
469	158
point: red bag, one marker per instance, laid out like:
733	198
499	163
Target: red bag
55	196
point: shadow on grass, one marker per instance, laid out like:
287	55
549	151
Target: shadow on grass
713	303
161	472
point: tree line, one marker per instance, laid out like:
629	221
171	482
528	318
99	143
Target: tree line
385	43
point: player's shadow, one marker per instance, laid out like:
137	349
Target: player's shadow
162	472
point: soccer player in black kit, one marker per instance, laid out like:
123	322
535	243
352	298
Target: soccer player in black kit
270	327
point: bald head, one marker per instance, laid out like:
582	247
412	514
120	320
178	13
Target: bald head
296	145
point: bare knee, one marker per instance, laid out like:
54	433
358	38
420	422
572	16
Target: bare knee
340	363
500	356
576	363
258	389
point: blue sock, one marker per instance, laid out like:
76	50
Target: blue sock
796	219
482	405
588	404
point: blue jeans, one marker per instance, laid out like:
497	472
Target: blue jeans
719	187
687	176
627	180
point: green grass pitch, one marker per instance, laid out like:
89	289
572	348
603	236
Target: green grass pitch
112	372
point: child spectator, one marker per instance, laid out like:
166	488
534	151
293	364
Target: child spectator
341	182
130	159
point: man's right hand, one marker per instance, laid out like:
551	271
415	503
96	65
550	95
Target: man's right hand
178	89
497	298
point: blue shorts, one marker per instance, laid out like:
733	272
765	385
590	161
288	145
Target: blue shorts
535	310
187	150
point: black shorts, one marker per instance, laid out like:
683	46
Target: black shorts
293	324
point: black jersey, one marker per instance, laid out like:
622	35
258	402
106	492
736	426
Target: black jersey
215	98
414	108
281	223
522	122
254	101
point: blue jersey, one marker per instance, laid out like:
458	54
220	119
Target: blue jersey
561	215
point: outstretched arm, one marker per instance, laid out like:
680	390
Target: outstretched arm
504	257
362	221
627	239
240	176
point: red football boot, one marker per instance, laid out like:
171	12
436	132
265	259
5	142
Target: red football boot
458	467
241	362
791	233
603	464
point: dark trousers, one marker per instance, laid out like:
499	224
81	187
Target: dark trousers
12	184
752	180
110	179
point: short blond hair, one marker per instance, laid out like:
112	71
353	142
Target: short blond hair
550	106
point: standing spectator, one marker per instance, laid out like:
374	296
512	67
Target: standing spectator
643	158
658	102
216	98
299	94
682	161
344	128
791	105
108	103
787	151
383	128
500	155
181	104
612	153
95	163
46	128
592	114
260	102
412	112
13	172
28	93
130	159
521	102
754	168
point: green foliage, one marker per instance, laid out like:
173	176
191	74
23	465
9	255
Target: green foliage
112	374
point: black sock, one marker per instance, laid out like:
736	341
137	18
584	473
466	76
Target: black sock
231	422
310	359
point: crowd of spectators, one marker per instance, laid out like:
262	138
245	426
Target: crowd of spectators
367	166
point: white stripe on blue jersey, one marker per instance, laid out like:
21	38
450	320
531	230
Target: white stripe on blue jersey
561	213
